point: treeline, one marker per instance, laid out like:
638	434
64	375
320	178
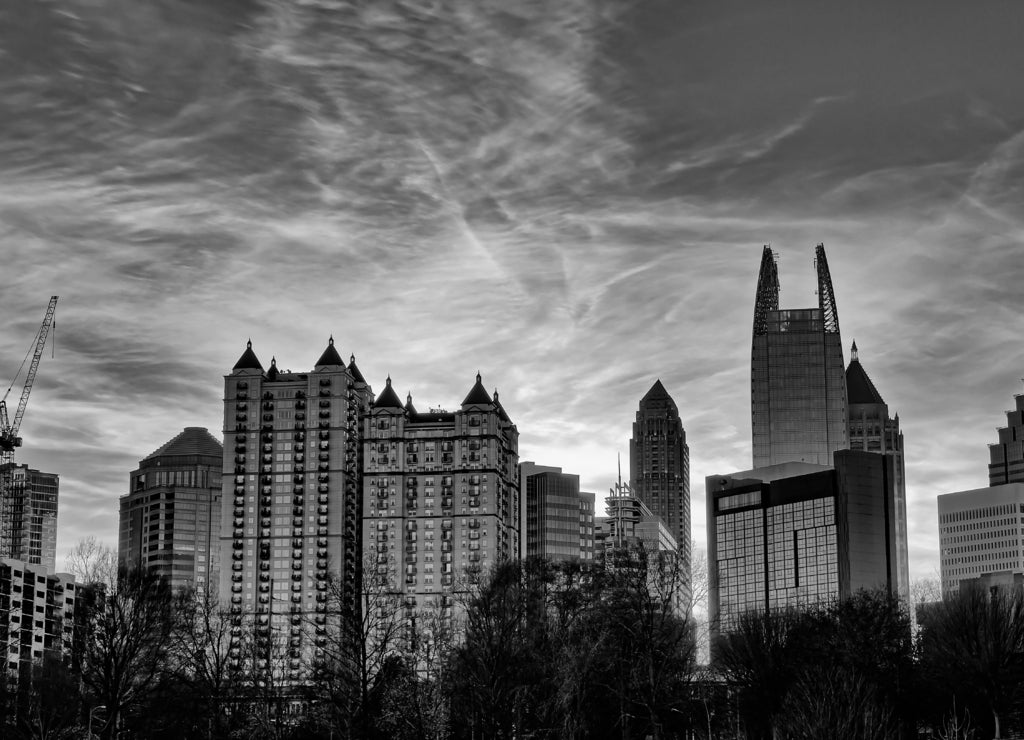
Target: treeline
539	651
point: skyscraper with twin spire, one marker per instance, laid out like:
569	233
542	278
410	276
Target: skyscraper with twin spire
798	382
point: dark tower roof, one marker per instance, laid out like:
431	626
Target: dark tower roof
330	355
248	360
356	375
272	372
477	394
767	298
388	399
408	404
192	441
499	408
859	388
657	391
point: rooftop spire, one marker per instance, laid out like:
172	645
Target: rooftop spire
767	298
853	352
388	398
330	356
826	296
477	394
248	360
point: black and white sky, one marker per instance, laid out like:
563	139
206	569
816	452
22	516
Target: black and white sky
570	197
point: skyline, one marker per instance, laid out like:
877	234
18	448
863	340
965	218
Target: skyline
571	200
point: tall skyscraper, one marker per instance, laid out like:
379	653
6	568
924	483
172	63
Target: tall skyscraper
800	534
1006	457
981	531
559	518
33	510
170	518
290	517
659	467
872	429
798	384
440	495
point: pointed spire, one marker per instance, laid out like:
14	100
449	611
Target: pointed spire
767	297
477	394
248	360
826	295
330	356
272	372
408	403
356	375
859	388
388	399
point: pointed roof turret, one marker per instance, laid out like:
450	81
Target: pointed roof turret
330	356
248	360
356	375
859	388
388	399
272	372
477	394
408	404
500	409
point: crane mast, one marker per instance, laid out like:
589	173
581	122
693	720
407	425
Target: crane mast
11	504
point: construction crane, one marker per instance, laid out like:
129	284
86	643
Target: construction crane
9	438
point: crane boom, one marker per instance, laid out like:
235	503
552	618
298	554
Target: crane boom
11	504
9	429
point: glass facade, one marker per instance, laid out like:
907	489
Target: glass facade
798	390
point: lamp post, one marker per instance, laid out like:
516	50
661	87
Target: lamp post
91	713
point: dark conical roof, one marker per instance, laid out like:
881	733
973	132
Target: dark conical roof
330	356
192	441
499	408
356	375
477	394
859	388
272	372
248	360
408	404
388	399
657	391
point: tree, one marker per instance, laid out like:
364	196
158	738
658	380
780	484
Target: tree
971	650
202	664
90	561
126	647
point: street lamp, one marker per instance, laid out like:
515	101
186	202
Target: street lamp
91	713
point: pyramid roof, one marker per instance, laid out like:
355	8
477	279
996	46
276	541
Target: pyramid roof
859	388
657	391
356	375
248	360
477	394
330	355
192	441
388	399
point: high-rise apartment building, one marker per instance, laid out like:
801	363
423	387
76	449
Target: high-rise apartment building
798	384
800	534
37	617
440	495
559	518
659	467
32	507
170	519
290	516
872	429
1006	457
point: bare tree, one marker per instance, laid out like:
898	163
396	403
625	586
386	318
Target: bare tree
90	561
202	661
126	648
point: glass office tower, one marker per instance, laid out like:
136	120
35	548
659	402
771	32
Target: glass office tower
798	377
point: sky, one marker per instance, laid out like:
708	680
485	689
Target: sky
569	197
